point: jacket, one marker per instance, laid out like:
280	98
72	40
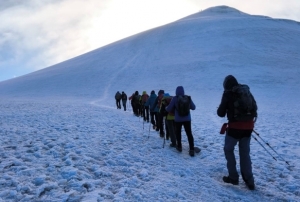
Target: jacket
172	106
236	129
150	102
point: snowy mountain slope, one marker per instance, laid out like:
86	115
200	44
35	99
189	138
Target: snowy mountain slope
219	41
62	138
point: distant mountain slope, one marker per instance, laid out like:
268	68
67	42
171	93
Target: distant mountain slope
209	44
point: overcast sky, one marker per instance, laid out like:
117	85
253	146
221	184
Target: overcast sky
35	34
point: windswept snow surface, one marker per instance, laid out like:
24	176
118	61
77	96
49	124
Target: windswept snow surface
62	138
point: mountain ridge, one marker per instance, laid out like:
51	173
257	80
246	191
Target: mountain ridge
197	46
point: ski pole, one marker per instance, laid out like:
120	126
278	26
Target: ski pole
143	126
149	130
264	148
270	146
165	133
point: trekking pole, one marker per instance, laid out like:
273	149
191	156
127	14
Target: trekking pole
264	148
149	130
270	147
165	133
143	126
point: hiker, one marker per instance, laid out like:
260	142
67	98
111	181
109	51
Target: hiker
136	103
118	97
124	100
237	131
131	102
153	109
169	120
144	109
182	118
160	120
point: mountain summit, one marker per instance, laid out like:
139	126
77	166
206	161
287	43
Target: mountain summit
216	40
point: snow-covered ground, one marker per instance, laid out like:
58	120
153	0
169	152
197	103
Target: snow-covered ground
62	138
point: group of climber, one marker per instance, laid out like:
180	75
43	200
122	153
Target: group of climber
174	112
163	111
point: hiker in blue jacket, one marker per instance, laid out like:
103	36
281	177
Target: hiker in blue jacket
184	121
153	110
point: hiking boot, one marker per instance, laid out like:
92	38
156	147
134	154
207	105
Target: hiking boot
179	148
229	180
192	153
250	186
172	145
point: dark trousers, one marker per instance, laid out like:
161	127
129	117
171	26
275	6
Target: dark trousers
245	160
137	109
118	103
153	116
145	112
124	104
161	123
171	130
188	130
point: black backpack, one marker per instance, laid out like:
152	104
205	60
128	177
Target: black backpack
124	96
183	105
137	99
245	108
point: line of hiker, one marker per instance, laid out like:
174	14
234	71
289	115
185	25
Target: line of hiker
169	113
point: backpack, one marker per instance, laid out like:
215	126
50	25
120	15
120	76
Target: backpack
144	98
165	101
124	96
245	108
137	99
183	105
118	96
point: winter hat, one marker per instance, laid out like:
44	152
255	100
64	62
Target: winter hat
166	95
144	92
179	90
229	82
152	92
161	92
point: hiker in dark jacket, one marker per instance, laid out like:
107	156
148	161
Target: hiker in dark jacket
153	110
184	121
124	100
144	108
160	117
137	103
237	131
131	98
118	97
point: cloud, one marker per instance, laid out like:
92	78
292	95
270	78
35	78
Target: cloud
35	35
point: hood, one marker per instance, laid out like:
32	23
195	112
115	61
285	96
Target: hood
144	92
136	92
153	92
179	90
166	95
161	92
229	82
